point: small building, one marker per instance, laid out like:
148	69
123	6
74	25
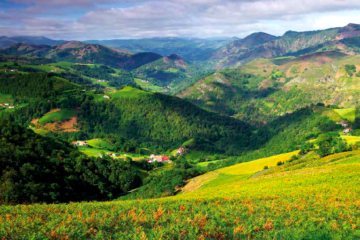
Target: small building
159	158
180	150
343	123
14	70
11	106
80	143
101	81
107	96
6	104
348	130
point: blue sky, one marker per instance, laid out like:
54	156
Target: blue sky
110	19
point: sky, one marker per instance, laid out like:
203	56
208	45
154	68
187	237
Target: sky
121	19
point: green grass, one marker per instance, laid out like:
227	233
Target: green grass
94	152
351	139
172	70
100	144
64	114
348	113
205	164
5	98
305	199
148	85
128	92
38	131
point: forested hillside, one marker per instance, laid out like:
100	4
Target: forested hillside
82	53
291	43
265	89
162	121
39	169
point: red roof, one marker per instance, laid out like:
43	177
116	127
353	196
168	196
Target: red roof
165	158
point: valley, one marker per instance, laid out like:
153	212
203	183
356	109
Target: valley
170	138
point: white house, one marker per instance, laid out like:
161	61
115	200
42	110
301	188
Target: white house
80	143
343	123
107	96
348	130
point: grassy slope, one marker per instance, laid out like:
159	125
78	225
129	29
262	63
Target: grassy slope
309	199
348	113
100	143
298	82
57	116
5	98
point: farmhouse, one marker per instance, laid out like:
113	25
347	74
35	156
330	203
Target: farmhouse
101	81
347	130
180	151
80	143
343	123
159	158
111	154
11	106
107	96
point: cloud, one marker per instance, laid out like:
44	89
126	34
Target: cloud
184	18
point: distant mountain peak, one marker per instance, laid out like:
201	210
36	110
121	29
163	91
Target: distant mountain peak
290	32
175	57
352	27
72	44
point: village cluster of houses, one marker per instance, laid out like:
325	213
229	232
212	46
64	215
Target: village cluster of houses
80	143
157	158
111	154
345	125
11	70
180	151
8	105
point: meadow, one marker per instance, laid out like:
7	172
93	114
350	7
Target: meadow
309	199
5	98
60	115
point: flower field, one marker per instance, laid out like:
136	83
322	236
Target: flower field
309	198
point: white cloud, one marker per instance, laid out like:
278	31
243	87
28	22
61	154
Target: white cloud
186	18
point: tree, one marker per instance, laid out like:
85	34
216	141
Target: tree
350	69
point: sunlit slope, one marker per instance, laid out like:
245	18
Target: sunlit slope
309	198
235	173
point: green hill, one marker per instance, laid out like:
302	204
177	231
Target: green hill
82	53
310	198
291	43
191	49
171	72
264	89
159	120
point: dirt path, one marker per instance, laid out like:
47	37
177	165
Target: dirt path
260	173
198	182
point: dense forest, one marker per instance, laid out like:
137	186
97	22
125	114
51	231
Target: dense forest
41	169
163	122
283	135
35	85
105	73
